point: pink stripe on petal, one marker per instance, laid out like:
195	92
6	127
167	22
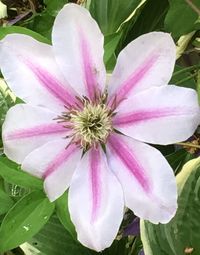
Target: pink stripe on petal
59	160
124	153
145	115
88	67
49	82
95	181
130	118
134	79
40	130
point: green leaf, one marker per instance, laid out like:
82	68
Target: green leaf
183	230
54	239
178	158
53	6
110	14
63	214
187	17
111	64
42	24
110	45
6	202
24	220
12	173
22	30
183	79
118	247
149	17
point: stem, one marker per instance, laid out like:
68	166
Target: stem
187	69
193	6
186	79
189	145
190	51
32	6
18	18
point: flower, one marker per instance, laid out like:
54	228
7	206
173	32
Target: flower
75	133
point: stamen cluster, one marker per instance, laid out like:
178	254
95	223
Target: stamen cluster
90	124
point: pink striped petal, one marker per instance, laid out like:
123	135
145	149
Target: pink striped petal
32	73
26	128
146	178
160	115
78	45
147	61
55	162
95	201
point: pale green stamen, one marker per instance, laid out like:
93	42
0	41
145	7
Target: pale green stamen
92	124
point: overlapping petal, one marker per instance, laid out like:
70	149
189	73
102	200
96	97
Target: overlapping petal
147	61
78	46
95	201
160	115
26	128
30	69
55	162
147	179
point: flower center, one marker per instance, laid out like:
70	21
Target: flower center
92	124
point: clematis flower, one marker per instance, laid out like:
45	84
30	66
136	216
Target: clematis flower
75	132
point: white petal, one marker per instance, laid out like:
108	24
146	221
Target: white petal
30	69
147	61
26	128
55	162
95	201
160	115
78	45
146	178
